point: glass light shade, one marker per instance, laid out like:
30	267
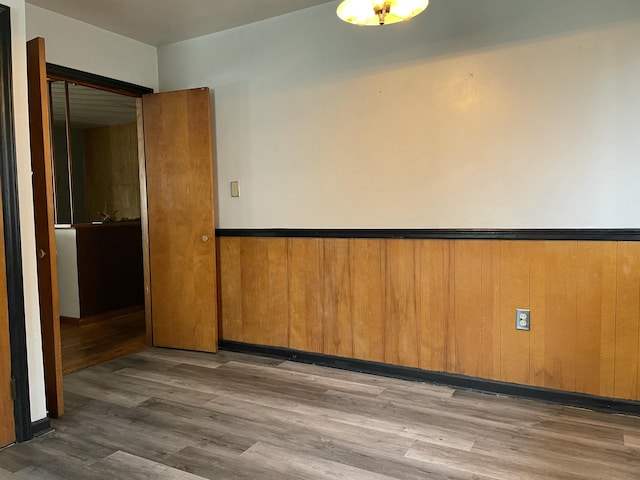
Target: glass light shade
379	12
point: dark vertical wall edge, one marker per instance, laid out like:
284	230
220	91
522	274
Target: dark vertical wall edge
11	213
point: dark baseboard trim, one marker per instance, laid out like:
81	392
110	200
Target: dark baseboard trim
41	427
603	404
622	234
58	72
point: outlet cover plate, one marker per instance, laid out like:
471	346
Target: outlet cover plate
235	189
523	319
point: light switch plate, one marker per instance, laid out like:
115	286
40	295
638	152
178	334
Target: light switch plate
235	189
523	319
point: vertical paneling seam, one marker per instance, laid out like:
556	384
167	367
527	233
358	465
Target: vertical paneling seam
446	307
256	285
532	370
482	318
242	331
320	245
500	312
350	262
615	322
501	373
288	302
451	338
450	316
575	282
382	251
637	379
321	290
352	290
416	287
287	253
418	292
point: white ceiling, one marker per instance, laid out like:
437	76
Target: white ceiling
159	22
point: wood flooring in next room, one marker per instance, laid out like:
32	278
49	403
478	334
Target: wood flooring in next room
95	343
165	414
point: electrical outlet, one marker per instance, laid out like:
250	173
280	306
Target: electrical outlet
523	319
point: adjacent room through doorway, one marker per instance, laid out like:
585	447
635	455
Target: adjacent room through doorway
97	224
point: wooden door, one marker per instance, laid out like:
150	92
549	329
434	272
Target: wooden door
40	132
7	420
180	217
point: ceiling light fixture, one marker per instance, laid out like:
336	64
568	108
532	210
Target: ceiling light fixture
379	12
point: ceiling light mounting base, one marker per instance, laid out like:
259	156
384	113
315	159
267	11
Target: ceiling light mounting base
382	11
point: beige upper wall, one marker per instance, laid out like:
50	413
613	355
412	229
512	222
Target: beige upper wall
75	44
495	114
25	192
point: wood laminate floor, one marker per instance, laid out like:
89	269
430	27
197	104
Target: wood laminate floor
95	343
165	414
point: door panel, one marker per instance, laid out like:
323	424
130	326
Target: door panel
181	228
7	420
40	131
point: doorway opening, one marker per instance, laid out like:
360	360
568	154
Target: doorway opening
98	232
176	188
96	250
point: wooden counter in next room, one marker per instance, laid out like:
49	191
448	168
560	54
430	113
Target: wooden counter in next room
99	269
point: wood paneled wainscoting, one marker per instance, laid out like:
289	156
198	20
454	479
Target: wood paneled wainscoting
444	305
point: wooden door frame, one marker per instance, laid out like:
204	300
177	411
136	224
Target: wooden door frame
13	242
25	429
43	211
53	376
